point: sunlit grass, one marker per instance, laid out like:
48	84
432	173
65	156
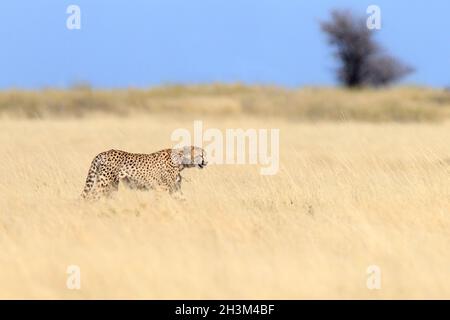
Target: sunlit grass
347	196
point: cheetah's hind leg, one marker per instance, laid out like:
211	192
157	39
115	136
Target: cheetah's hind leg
98	185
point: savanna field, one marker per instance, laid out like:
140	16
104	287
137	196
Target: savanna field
364	179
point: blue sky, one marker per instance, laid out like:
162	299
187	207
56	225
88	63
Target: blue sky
145	43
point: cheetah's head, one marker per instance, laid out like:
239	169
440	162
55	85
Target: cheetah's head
192	156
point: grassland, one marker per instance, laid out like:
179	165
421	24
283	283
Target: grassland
348	195
401	104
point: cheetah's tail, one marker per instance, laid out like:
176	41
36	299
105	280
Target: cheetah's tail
91	178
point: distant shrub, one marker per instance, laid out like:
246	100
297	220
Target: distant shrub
362	60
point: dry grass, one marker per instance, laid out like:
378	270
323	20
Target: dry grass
347	196
406	104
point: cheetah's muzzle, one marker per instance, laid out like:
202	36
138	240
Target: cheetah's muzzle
203	164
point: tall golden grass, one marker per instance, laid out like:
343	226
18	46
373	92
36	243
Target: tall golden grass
406	104
348	195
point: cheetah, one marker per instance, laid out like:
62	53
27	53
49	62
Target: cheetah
140	171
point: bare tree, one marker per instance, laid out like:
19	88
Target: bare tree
362	59
385	69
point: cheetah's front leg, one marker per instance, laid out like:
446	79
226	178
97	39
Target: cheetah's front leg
174	187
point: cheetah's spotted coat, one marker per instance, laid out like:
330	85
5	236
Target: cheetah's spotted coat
140	171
